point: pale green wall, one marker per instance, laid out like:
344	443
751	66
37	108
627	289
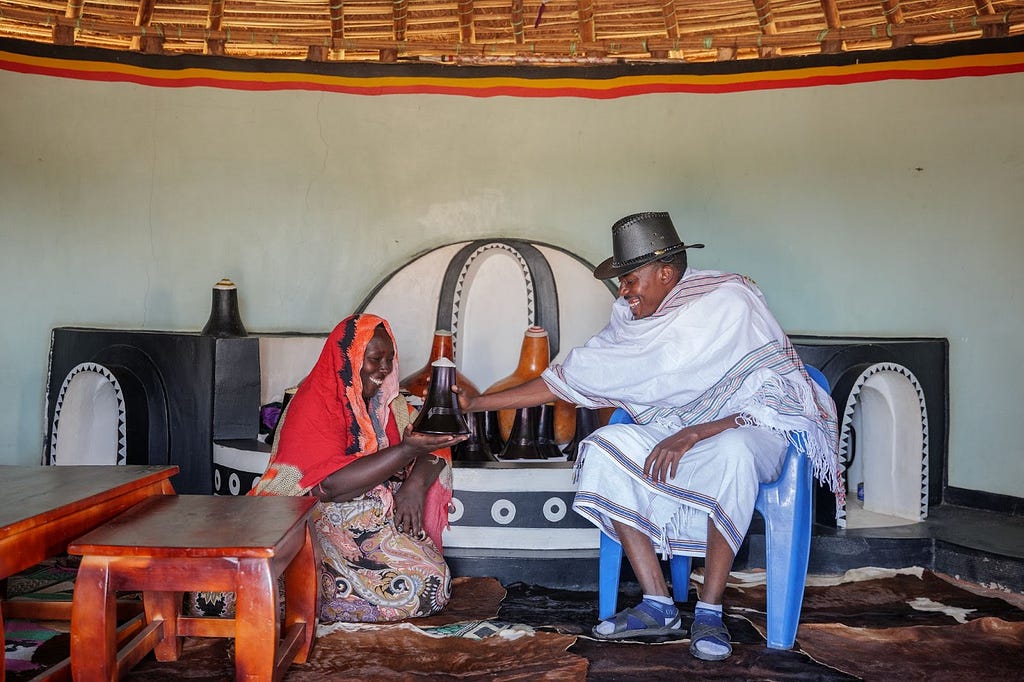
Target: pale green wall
888	208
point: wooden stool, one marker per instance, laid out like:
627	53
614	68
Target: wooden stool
168	545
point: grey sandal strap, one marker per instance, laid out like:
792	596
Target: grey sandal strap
622	619
704	630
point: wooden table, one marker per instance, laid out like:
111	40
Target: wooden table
43	508
165	546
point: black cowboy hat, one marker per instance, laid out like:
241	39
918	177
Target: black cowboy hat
639	239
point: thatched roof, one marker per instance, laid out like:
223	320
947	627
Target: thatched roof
507	31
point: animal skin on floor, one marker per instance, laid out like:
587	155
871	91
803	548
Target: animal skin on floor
868	625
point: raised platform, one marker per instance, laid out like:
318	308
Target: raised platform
980	546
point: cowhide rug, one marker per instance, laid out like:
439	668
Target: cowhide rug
868	625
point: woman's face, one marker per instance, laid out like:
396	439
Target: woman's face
378	362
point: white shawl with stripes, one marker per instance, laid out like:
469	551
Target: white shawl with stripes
710	350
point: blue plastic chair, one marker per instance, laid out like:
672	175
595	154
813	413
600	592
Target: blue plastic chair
785	505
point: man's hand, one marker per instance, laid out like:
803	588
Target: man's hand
663	461
465	399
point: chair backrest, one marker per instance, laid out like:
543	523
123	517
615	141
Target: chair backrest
818	377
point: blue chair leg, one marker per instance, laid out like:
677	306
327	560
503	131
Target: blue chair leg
680	566
610	568
608	577
787	545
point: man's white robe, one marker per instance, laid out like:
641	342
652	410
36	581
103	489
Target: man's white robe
711	349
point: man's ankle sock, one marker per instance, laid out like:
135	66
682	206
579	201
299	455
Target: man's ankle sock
713	608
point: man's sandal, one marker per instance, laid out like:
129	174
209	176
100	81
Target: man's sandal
701	632
651	627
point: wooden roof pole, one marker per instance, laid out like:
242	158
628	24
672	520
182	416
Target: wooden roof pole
834	23
214	17
588	28
668	11
65	35
517	22
467	30
150	44
400	17
320	53
766	22
991	30
399	20
894	17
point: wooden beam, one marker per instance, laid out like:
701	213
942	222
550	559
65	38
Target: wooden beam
893	12
894	17
985	8
318	53
833	22
766	22
668	11
74	9
337	21
63	34
214	18
215	15
467	31
142	20
400	18
517	22
585	11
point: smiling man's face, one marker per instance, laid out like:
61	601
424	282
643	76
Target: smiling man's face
645	288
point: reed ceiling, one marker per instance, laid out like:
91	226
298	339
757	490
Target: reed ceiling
507	31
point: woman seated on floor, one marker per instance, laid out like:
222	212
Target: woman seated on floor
384	489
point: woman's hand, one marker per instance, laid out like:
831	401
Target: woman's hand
424	443
408	511
663	461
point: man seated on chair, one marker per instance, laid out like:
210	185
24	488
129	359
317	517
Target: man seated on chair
716	391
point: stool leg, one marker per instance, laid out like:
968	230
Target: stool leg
94	623
165	606
257	622
300	592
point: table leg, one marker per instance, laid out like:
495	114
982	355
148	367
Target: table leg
257	622
94	623
300	592
165	606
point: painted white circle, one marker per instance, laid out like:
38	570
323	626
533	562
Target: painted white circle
216	479
455	510
234	484
503	511
554	509
255	482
